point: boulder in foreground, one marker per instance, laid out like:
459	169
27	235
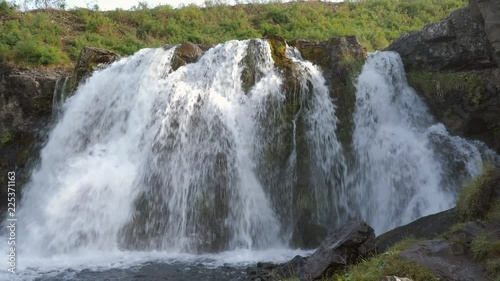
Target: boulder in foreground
344	247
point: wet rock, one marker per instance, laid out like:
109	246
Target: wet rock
308	235
269	271
341	59
25	112
443	259
344	247
186	53
90	58
424	228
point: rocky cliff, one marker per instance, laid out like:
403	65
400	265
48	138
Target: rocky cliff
26	103
454	65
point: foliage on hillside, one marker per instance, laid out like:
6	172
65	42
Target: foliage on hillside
55	37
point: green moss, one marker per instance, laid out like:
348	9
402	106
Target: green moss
457	228
385	264
5	137
278	51
436	86
474	200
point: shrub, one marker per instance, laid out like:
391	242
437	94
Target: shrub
388	263
474	200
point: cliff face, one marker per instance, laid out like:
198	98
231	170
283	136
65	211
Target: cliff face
26	105
454	65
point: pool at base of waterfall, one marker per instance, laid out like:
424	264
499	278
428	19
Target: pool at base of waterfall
151	266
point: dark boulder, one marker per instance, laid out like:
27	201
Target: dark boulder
458	42
265	271
344	247
426	227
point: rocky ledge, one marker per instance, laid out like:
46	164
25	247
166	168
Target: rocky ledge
454	65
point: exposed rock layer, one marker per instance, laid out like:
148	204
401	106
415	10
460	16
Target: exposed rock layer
453	64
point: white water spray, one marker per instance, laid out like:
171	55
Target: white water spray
401	172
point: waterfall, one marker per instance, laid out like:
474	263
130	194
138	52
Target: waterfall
229	152
407	166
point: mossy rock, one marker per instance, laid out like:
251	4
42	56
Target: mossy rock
437	87
278	51
186	53
5	137
90	58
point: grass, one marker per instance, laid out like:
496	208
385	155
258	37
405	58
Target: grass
474	200
487	251
55	37
385	264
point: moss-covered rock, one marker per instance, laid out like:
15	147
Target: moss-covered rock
467	102
341	60
186	53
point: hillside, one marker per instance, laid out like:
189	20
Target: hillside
55	37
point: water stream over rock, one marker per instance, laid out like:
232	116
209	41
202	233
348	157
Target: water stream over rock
225	155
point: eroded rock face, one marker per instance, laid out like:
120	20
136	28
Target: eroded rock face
25	110
341	59
453	64
344	247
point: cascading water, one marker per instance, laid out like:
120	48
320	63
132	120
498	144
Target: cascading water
230	153
402	170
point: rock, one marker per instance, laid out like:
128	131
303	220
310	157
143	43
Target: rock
308	235
454	65
424	228
458	42
25	113
344	247
442	258
90	58
341	59
184	54
269	271
489	12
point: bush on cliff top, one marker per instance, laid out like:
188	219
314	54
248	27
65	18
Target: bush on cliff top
60	34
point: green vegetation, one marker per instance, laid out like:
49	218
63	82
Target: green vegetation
437	85
55	37
388	263
474	201
5	137
487	251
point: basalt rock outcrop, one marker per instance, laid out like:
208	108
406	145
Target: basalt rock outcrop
26	105
25	109
454	65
